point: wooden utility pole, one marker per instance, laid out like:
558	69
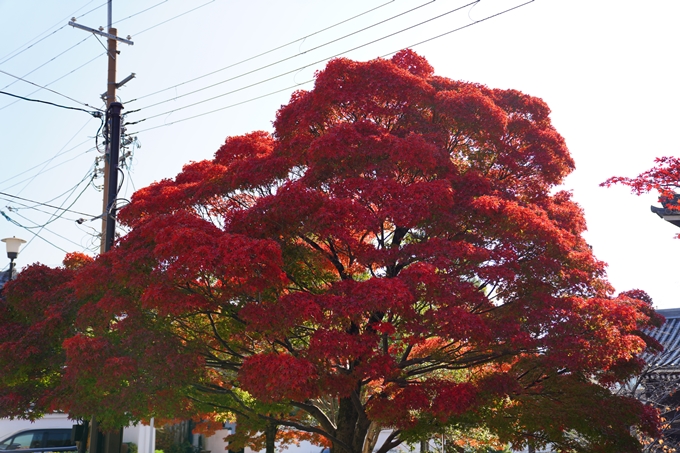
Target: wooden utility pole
112	51
111	86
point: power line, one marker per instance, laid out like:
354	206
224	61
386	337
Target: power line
55	156
7	57
50	90
29	228
88	175
222	108
47	62
297	69
48	160
295	56
56	80
46	204
23	206
95	114
48	169
54	216
263	53
173	18
311	80
139	12
14	222
464	26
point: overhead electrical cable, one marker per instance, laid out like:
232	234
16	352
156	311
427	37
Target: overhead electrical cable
47	205
463	27
46	229
298	54
24	50
311	80
27	45
47	62
14	222
50	90
289	72
263	53
139	12
96	114
173	18
56	80
93	9
48	169
219	109
50	159
54	216
25	206
32	207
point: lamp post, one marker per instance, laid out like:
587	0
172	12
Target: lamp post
12	245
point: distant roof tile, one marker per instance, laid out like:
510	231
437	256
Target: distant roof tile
669	336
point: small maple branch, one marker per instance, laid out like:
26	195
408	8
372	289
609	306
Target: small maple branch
213	361
315	413
221	406
307	428
332	257
211	388
335	259
391	442
404	356
381	237
473	361
219	337
286	345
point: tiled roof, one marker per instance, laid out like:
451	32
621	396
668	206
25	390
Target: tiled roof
669	336
669	210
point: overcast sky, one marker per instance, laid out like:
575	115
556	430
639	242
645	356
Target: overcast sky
606	68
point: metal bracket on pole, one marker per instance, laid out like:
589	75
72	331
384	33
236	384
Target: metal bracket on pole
100	33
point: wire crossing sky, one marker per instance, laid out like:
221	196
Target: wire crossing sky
208	69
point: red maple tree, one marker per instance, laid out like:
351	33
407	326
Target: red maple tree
393	256
663	178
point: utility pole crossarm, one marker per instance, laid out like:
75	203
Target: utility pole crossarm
100	33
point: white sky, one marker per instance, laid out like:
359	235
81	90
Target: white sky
606	68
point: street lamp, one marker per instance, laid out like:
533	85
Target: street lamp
12	245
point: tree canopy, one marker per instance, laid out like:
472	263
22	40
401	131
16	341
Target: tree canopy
395	255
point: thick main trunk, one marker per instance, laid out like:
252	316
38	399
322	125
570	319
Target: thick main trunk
270	437
352	428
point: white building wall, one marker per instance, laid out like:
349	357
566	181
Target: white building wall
8	426
144	436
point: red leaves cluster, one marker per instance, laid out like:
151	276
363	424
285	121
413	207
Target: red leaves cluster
400	406
275	377
395	246
663	178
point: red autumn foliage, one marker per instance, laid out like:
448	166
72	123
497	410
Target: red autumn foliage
394	255
663	178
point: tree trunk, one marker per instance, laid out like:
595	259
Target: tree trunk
352	426
371	438
270	437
